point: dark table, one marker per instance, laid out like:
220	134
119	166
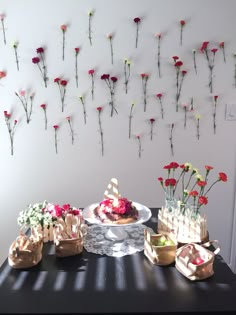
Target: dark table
90	283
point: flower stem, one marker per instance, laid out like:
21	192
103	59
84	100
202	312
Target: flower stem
127	75
84	109
63	45
198	128
90	36
111	46
45	119
76	70
101	131
92	87
137	30
55	137
4	33
139	147
130	119
171	139
16	56
159	56
194	61
72	132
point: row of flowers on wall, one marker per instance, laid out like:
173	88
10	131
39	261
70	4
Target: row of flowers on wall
11	125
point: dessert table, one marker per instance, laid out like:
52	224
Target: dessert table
100	284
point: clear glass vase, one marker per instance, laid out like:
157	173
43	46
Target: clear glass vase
170	201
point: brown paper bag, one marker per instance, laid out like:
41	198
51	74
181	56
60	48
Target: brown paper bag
25	252
195	261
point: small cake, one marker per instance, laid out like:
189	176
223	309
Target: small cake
118	211
114	208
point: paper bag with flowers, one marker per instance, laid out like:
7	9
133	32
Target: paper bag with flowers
186	193
69	231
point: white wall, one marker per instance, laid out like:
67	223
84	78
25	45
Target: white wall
78	174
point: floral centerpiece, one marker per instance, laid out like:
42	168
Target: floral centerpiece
186	192
44	217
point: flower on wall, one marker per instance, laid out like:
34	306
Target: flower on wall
137	21
2	74
90	15
194	60
63	29
180	75
197	118
182	23
152	121
159	96
76	65
171	138
68	118
15	45
91	73
111	83
99	110
144	77
55	127
222	47
42	68
138	137
215	98
62	84
185	108
10	128
158	36
110	37
130	118
44	108
84	108
27	106
210	57
2	18
127	64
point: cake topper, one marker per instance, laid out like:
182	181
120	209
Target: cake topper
112	191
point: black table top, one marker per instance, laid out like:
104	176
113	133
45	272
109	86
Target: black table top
90	283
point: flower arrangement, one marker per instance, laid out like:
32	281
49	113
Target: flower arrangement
182	23
214	113
76	65
10	128
159	96
43	68
152	121
44	108
138	137
144	77
130	118
171	138
127	64
55	127
44	214
158	36
84	108
111	83
210	60
90	15
194	60
2	18
137	21
222	47
63	29
99	110
110	38
62	89
189	184
91	73
68	118
180	75
24	101
15	47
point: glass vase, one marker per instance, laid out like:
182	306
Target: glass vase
170	201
